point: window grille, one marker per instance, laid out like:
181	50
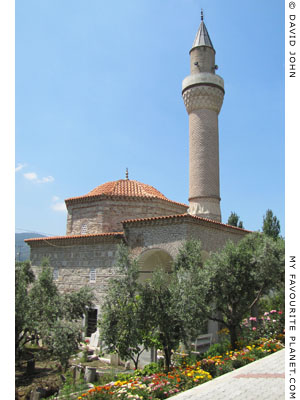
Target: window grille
92	275
55	274
84	229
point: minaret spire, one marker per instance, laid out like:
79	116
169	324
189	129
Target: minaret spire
202	37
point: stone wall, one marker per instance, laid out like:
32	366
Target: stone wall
74	262
74	257
169	234
106	214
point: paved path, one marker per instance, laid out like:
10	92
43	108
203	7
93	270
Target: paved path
260	380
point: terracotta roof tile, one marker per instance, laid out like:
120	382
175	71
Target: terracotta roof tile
124	188
186	215
96	235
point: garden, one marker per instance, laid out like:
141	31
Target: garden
189	370
165	312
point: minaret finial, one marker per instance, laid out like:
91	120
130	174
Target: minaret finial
126	174
201	14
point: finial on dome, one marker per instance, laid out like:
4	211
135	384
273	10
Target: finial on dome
201	14
126	175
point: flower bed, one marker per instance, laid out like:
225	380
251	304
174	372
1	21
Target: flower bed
163	385
156	386
259	338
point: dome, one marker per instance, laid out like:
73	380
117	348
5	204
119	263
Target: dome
123	188
126	187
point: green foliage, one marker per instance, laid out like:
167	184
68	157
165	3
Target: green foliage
149	369
274	300
224	369
173	308
75	303
63	340
43	312
270	326
124	327
235	278
191	281
233	220
23	320
271	225
217	349
189	256
160	299
45	301
240	274
70	386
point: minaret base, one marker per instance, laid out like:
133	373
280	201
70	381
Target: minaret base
205	208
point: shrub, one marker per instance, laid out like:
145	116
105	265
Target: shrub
270	325
149	369
217	349
224	368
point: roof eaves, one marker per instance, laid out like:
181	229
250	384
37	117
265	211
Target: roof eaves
183	216
117	235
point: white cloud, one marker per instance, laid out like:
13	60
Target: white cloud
19	167
59	206
46	179
31	176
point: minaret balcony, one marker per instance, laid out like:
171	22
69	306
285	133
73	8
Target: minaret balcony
203	78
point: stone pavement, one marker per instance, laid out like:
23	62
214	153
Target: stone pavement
260	380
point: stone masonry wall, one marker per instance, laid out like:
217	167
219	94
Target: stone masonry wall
74	264
105	215
170	236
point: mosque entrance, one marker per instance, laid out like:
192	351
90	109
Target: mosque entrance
92	315
153	259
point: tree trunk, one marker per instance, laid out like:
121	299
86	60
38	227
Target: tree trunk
167	358
233	336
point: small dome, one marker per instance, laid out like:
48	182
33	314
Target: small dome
126	187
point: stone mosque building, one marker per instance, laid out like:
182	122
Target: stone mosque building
126	211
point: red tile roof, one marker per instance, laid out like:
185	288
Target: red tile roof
124	188
181	216
70	237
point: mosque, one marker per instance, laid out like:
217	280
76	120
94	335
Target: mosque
127	211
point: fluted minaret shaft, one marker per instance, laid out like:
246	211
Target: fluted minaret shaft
203	93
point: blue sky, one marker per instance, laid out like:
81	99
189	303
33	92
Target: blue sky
98	89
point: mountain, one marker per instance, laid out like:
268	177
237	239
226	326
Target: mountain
22	250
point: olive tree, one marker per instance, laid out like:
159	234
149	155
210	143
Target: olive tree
232	281
42	312
124	327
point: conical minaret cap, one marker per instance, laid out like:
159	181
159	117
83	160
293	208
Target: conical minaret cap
202	38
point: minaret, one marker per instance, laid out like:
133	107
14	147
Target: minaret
203	93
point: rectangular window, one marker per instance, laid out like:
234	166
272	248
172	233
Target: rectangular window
55	274
84	229
92	275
